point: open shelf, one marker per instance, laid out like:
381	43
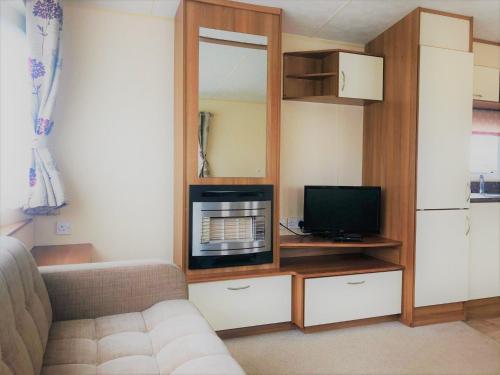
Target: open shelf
313	76
336	265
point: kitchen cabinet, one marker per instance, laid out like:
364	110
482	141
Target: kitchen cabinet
444	128
486	83
442	258
484	254
361	76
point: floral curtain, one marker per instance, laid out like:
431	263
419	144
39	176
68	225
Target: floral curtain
44	19
203	126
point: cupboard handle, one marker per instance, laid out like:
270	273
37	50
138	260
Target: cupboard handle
478	96
238	287
356	282
468	191
343	80
468	225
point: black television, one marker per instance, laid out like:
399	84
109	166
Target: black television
344	212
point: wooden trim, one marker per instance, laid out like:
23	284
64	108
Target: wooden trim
449	312
9	230
486	104
484	41
298	301
351	323
232	43
471	34
255	330
485	308
244	6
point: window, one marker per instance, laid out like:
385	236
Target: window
15	129
485	145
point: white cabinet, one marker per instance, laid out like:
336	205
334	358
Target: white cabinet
484	265
442	257
344	298
444	128
486	83
445	32
244	302
361	76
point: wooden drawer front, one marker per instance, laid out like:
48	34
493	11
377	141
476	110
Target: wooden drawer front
245	302
444	32
344	298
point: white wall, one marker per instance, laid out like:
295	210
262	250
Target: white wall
321	144
113	134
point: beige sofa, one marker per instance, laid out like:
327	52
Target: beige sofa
123	318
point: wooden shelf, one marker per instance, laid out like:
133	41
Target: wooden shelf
312	76
336	265
63	254
303	242
330	99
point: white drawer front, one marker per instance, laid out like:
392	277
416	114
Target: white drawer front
344	298
244	302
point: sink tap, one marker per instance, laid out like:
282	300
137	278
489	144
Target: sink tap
481	184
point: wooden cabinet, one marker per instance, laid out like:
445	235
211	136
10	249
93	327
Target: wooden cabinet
345	298
333	76
442	257
444	128
241	303
486	83
484	253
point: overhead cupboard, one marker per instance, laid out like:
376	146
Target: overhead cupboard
486	74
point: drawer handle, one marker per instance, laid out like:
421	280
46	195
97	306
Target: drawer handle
238	287
356	282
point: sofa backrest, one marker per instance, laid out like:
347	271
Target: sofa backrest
25	311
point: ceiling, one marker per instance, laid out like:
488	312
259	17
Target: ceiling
355	21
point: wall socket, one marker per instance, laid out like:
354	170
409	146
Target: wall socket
63	227
293	222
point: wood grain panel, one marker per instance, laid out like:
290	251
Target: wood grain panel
350	323
298	301
449	312
230	16
295	242
255	330
485	308
63	254
390	144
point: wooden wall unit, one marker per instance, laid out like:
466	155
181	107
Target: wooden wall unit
229	16
390	138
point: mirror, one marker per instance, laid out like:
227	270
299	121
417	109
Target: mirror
232	104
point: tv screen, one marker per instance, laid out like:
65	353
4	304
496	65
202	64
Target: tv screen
336	209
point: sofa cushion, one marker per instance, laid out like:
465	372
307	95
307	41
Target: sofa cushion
25	311
171	337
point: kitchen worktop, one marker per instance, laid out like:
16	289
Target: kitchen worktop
484	198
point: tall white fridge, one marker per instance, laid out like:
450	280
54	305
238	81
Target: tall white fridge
443	179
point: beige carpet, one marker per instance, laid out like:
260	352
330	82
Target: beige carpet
387	348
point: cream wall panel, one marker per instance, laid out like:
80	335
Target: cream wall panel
236	138
321	144
26	235
444	32
486	55
244	302
113	139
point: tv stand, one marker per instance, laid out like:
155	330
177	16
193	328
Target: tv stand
348	237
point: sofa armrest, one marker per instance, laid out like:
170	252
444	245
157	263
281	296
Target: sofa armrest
88	291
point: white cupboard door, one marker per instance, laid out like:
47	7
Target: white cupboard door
484	275
343	298
486	83
244	302
445	32
442	257
444	128
361	76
